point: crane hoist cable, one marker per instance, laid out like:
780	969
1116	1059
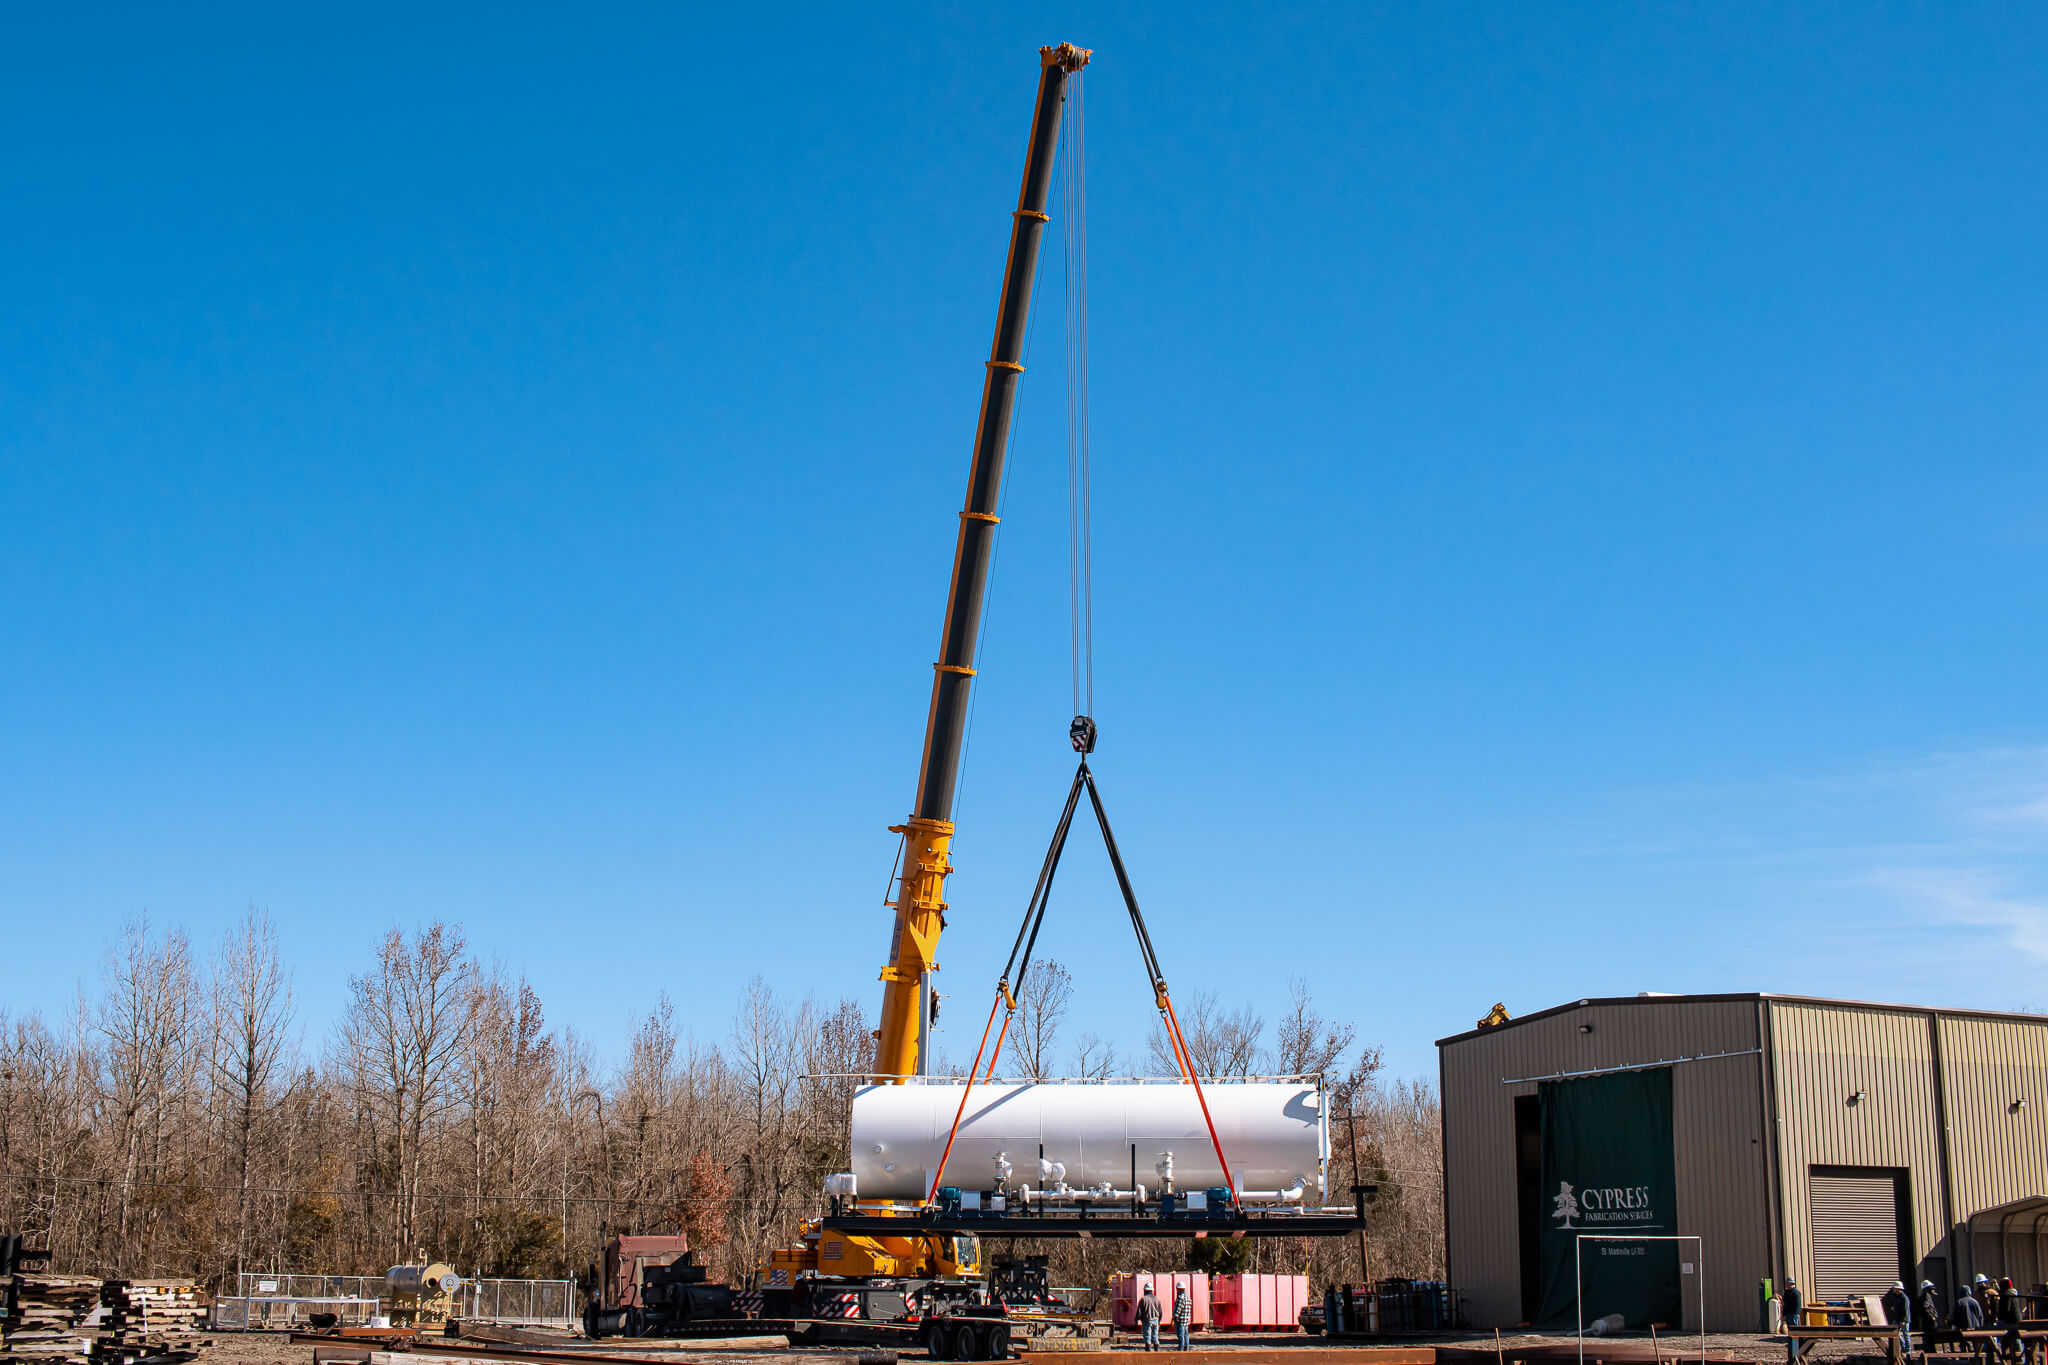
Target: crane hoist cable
1081	734
1019	966
1080	556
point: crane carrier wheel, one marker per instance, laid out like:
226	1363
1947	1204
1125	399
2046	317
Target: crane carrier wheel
967	1340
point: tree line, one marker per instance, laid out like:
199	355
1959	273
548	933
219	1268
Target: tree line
178	1122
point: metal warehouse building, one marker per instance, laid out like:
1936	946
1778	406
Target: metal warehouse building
1844	1144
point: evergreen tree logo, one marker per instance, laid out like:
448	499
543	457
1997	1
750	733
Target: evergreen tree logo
1567	1204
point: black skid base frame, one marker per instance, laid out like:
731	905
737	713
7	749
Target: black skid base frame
1107	1222
1102	1225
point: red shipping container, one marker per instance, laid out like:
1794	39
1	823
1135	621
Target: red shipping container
1128	1286
1264	1303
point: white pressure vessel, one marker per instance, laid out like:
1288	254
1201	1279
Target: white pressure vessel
1274	1135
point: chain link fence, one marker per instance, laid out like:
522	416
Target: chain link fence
256	1314
277	1302
546	1303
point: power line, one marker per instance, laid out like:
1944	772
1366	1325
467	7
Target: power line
536	1200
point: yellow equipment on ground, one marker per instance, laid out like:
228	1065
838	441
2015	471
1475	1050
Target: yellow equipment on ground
421	1294
923	1257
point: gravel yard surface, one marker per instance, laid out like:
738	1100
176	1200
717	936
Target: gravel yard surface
276	1348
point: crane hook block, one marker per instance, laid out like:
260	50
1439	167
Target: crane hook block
1081	734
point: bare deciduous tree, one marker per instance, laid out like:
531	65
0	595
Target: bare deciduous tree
1094	1057
767	1055
840	1049
1047	995
252	1016
407	1023
447	1116
505	1072
1308	1044
146	1026
1220	1042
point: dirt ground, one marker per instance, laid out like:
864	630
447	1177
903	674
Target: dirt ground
276	1348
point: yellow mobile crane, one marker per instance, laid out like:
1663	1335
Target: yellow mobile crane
928	833
902	1041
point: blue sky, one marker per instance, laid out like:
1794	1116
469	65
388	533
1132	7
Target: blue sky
1570	506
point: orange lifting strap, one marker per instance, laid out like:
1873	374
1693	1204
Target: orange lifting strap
1020	963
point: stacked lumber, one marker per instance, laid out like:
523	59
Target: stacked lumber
123	1336
122	1319
47	1312
66	1320
170	1305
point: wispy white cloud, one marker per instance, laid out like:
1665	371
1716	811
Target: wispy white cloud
1983	860
1971	897
1900	852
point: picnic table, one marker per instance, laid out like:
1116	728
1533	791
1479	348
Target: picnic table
1888	1336
1987	1342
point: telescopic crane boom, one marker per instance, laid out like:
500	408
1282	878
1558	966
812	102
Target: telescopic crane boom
920	902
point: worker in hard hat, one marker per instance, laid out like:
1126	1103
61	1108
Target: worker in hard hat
2009	1319
1150	1310
1898	1311
1927	1314
1183	1314
1791	1307
1994	1315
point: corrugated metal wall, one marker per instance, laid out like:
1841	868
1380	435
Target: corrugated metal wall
1822	1054
1480	1236
1717	1121
1996	1155
2015	1252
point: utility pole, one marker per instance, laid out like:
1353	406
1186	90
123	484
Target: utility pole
1358	1178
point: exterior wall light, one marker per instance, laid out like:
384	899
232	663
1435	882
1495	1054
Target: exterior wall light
2015	1106
1585	1028
1856	1097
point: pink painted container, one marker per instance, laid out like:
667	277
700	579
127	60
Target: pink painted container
1266	1303
1128	1286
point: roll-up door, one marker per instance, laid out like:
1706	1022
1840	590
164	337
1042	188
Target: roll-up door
1855	1232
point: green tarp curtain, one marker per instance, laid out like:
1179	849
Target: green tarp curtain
1608	1169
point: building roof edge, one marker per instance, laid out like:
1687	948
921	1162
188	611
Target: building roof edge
1587	1002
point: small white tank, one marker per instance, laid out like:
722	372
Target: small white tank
1274	1134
